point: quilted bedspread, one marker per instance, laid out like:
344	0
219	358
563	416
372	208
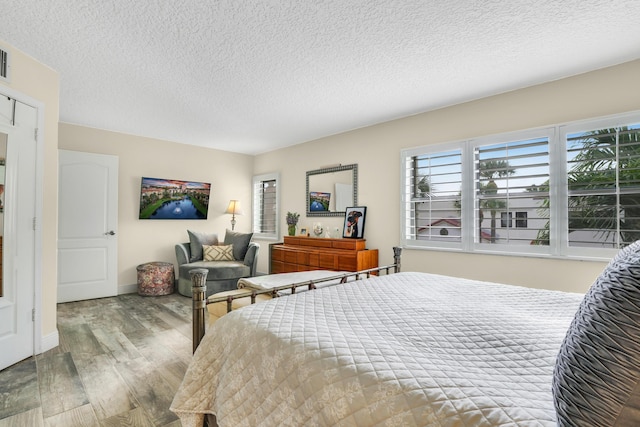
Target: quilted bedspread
407	349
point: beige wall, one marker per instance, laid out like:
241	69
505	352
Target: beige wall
41	83
376	149
141	241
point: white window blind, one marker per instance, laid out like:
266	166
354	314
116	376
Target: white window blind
603	181
265	206
567	190
512	177
432	186
4	64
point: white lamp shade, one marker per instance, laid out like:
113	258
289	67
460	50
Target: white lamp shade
234	208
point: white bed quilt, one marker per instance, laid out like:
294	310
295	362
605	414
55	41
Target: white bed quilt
440	352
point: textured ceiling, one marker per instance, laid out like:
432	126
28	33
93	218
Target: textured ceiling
253	76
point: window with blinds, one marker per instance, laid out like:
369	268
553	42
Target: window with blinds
265	206
4	64
512	177
433	186
567	190
603	183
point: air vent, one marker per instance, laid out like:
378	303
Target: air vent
4	64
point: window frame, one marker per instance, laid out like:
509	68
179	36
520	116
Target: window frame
405	198
259	180
546	132
558	190
508	221
586	126
520	219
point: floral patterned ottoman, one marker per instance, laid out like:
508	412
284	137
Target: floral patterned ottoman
155	278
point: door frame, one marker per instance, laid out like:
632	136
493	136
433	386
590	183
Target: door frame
37	297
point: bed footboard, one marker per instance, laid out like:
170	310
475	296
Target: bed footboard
200	301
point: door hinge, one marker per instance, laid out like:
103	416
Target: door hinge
34	223
33	314
35	134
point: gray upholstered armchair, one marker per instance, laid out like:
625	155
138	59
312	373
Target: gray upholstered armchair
223	272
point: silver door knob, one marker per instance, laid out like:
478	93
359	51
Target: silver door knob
110	233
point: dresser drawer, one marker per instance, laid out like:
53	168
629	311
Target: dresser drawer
307	253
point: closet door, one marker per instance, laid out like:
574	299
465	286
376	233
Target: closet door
18	146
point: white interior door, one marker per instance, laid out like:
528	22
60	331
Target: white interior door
18	122
87	225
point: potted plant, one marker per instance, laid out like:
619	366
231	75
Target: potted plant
292	221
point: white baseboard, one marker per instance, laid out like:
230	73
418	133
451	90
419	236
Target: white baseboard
127	289
47	342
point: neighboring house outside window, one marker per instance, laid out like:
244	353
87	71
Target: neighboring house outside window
572	190
506	219
266	206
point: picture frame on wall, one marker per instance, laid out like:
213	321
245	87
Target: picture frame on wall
173	199
354	220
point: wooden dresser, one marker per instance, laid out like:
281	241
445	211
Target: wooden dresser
300	253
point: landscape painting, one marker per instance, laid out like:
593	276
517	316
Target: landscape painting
319	201
173	199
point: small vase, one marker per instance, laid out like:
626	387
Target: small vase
292	230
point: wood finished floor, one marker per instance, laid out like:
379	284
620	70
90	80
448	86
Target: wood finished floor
119	363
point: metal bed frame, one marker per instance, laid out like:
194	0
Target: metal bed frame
200	301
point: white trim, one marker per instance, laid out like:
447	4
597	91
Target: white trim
584	257
432	148
47	342
37	297
37	302
599	122
557	194
544	131
128	289
256	205
467	206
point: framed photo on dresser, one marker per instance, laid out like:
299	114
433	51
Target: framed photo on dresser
354	222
